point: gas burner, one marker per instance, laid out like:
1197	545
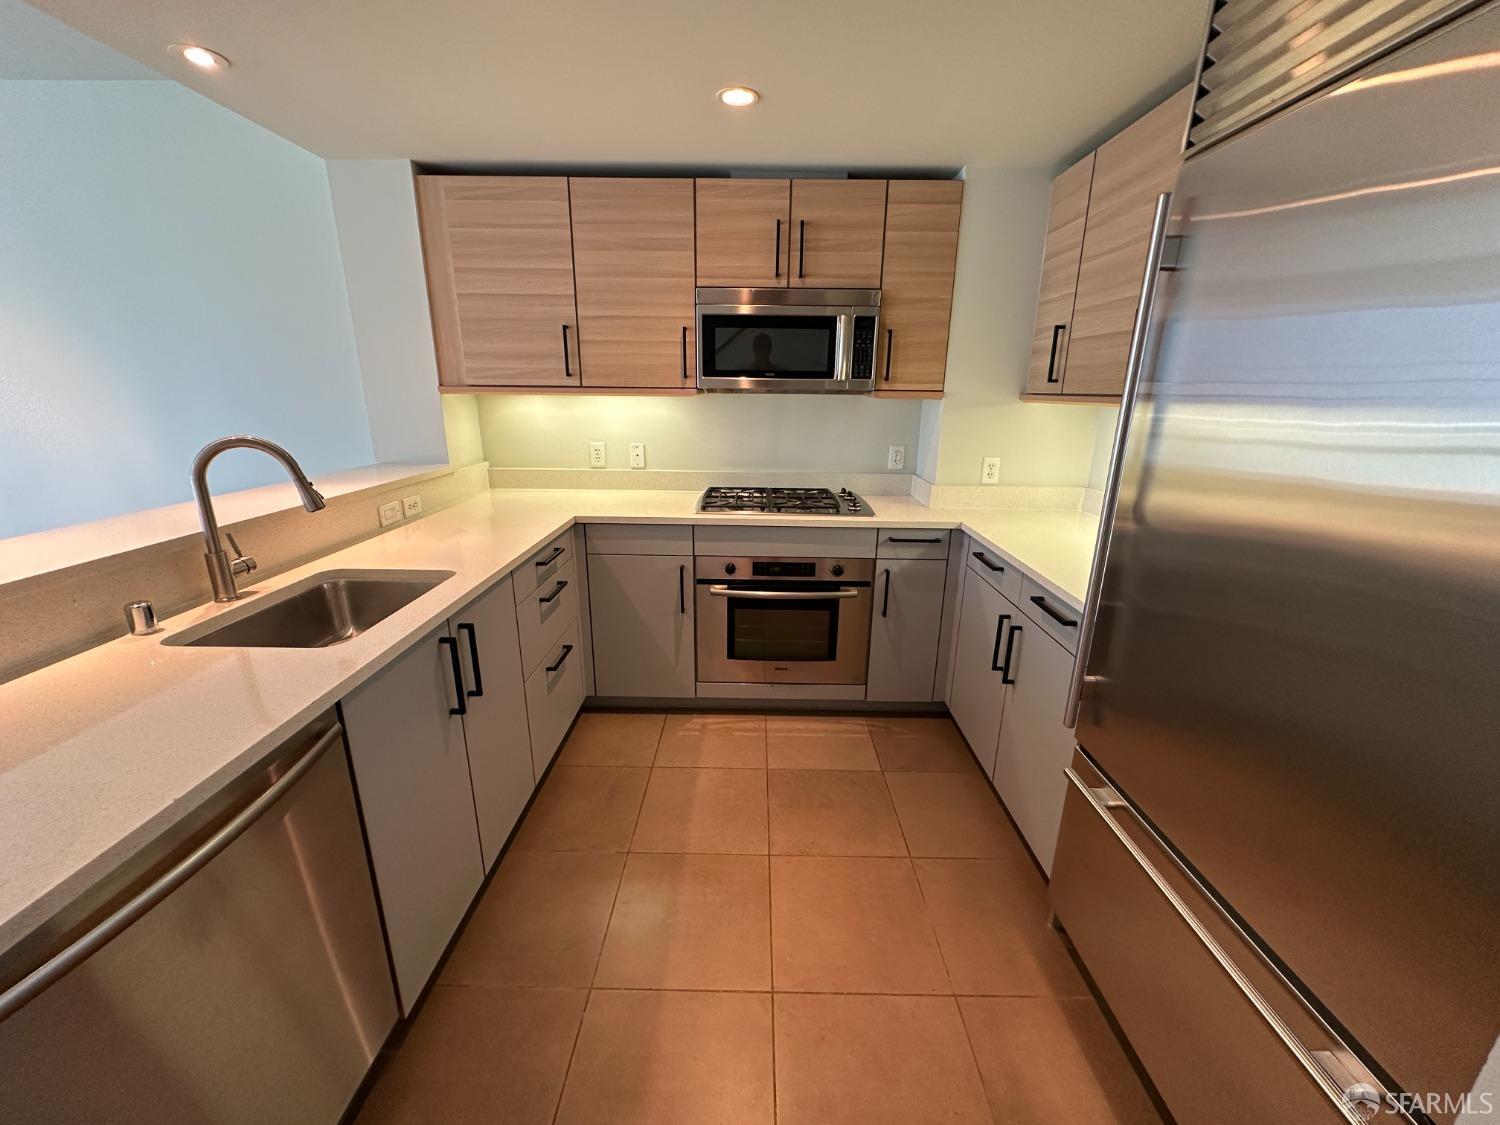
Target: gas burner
784	501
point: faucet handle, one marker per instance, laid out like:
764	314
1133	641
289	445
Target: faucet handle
241	563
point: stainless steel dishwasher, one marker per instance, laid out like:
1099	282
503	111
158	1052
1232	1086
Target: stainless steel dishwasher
236	974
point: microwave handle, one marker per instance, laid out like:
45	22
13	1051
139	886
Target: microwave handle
843	346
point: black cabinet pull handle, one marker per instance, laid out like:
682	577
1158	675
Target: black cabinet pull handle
552	597
888	333
555	552
1010	647
982	557
458	677
801	245
684	351
898	539
682	590
778	249
478	689
567	370
1042	604
562	656
1057	331
995	665
885	599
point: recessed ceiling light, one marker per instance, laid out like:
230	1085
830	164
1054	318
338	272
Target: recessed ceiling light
738	96
200	57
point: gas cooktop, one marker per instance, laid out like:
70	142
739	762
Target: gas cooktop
785	501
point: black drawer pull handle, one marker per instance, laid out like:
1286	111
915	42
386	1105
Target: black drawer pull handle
462	708
982	557
885	600
684	351
682	590
1006	676
562	656
898	539
801	245
778	249
1057	331
478	689
995	665
888	334
552	597
551	556
567	370
1042	604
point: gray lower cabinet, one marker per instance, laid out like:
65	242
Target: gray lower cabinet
495	726
554	693
411	770
641	608
976	695
907	621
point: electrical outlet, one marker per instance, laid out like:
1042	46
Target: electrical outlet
390	513
637	455
896	458
596	455
411	506
991	472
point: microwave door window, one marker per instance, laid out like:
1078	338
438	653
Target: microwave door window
783	632
786	347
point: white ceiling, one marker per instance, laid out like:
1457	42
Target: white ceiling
846	83
34	45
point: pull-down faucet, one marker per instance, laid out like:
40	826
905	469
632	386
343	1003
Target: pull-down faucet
221	568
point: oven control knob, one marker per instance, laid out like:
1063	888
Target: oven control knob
837	570
730	568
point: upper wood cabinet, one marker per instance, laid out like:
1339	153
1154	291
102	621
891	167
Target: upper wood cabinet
633	268
744	232
499	253
1054	303
1128	172
839	232
916	297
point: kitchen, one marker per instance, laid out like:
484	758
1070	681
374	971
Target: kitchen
823	607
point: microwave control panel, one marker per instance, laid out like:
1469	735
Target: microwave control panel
864	348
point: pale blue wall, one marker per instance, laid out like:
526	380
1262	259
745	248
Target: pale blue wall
169	272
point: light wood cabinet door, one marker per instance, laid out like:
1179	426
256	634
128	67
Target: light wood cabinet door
495	727
411	769
499	254
634	272
1130	170
916	292
838	233
976	695
907	618
1060	257
641	608
744	232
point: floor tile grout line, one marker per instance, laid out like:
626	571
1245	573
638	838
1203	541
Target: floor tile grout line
572	1052
963	1022
771	951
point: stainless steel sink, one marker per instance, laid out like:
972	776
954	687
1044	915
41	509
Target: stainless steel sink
321	610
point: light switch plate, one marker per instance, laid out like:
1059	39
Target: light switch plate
896	458
390	513
597	459
637	455
991	471
411	505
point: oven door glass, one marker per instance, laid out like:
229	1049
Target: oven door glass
784	632
766	346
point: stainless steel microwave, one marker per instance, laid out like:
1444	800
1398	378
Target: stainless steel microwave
818	340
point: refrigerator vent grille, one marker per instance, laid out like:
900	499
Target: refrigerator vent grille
1261	55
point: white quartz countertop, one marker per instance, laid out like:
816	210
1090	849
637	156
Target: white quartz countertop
104	752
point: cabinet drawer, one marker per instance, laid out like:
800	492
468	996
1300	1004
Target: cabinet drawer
911	543
795	542
554	693
1056	616
1190	996
995	569
542	565
639	539
544	616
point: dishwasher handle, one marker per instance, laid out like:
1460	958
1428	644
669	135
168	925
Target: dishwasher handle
44	976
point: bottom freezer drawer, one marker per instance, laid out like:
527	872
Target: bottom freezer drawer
1193	1005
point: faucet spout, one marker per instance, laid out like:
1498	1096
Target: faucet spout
221	569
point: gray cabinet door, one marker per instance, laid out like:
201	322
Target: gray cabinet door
495	727
907	619
977	694
411	768
1035	747
642	614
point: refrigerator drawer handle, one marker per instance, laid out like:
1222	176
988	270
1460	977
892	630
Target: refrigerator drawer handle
1103	800
1134	361
40	979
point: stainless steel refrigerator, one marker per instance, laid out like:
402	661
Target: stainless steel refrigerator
1280	855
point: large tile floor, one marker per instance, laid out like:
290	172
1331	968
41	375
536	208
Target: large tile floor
741	918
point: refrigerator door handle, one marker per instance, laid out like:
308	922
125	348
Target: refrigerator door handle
1135	361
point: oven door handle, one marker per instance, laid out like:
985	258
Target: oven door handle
785	595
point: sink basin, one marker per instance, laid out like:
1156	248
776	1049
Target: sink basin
321	610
